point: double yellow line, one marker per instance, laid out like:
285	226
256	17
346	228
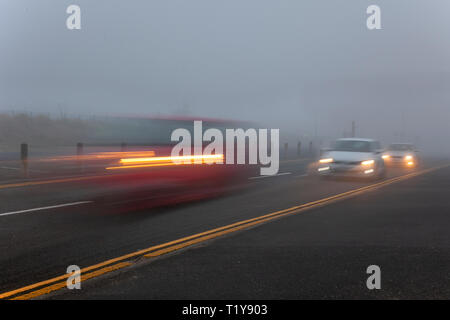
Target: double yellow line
47	286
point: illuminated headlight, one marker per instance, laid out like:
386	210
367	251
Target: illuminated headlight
323	169
408	158
386	156
368	162
326	160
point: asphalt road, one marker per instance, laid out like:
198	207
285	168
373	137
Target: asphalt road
321	252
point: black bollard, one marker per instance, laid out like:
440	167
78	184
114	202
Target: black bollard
79	154
24	158
286	151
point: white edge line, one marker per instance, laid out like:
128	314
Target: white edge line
10	168
18	169
302	175
45	208
275	175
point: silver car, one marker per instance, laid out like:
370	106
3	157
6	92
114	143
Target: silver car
401	154
353	157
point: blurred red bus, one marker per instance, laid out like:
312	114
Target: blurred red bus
142	174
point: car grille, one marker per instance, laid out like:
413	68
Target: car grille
347	162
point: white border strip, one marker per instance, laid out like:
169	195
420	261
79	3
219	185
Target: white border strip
44	208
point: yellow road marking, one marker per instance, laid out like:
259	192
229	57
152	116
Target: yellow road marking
61	285
178	244
42	182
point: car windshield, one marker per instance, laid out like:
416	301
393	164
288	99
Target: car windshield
352	145
400	147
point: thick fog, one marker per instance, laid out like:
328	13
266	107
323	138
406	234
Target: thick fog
309	68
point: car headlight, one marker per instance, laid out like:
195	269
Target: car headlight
368	162
326	160
408	157
386	156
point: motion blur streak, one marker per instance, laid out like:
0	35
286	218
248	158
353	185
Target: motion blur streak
166	161
143	166
178	159
102	156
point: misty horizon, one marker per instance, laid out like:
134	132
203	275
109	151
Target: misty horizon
308	68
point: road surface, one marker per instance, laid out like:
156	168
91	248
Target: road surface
290	236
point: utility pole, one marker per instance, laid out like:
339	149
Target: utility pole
353	129
403	124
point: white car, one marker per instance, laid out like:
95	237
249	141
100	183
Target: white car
353	157
401	154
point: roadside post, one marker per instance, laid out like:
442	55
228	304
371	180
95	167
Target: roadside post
24	158
79	154
286	151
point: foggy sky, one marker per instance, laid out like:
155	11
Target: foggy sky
307	67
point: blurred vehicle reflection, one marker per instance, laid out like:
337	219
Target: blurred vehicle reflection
147	175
